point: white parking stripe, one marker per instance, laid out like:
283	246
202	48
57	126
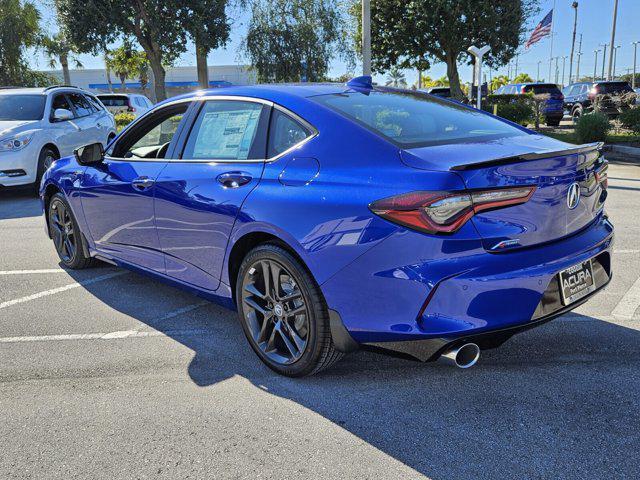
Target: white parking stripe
105	336
626	251
30	272
53	291
629	303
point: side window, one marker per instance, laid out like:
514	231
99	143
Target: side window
151	138
284	133
95	103
139	102
225	130
59	101
81	105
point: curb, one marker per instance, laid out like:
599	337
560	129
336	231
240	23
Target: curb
622	154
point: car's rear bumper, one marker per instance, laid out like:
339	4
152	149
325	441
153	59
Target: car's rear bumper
459	295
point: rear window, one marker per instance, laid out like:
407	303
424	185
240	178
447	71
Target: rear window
22	107
114	100
541	89
411	119
614	87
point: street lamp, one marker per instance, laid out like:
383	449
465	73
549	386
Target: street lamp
579	54
557	70
538	76
613	40
604	56
595	64
633	79
574	5
366	37
615	58
564	60
478	53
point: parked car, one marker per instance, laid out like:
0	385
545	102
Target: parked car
40	125
578	98
131	103
339	216
444	92
553	110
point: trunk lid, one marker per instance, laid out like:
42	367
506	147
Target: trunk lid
559	172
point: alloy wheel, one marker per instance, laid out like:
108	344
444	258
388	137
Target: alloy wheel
48	161
62	231
275	311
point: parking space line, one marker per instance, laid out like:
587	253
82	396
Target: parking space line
629	303
118	335
53	291
626	251
30	272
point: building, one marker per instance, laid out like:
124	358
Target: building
179	79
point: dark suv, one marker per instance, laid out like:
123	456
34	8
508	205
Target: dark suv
553	107
578	97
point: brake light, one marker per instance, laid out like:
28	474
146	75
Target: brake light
523	89
131	109
445	212
602	175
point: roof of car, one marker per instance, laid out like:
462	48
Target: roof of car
272	92
20	91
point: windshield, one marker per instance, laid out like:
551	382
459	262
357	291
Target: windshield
538	89
411	119
22	107
114	101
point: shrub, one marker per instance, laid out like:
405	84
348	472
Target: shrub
515	108
123	119
631	119
592	127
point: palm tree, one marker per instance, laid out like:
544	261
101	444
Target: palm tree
396	78
60	51
126	62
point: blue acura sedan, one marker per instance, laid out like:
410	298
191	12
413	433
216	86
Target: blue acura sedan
336	217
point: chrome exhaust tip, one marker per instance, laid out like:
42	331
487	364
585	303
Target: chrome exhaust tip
464	356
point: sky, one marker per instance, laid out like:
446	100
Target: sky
594	23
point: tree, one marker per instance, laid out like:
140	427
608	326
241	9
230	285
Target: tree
523	78
157	25
208	26
60	51
396	78
499	81
442	30
428	82
294	40
126	62
19	29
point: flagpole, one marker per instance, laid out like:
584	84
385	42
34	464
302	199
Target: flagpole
553	21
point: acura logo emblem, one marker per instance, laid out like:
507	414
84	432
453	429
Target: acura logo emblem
573	196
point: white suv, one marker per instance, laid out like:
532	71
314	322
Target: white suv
40	125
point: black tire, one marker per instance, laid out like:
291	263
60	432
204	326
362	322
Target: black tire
576	113
66	235
302	317
45	160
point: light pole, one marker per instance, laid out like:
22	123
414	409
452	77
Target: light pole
615	58
604	56
595	64
538	76
579	54
613	38
564	60
633	79
366	37
557	70
574	5
478	53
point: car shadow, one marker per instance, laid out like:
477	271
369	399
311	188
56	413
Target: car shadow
19	203
559	401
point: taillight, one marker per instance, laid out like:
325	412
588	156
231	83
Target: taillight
602	175
445	212
523	90
131	109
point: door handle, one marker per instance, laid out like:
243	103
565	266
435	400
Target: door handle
143	183
234	179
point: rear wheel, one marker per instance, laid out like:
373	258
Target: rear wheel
283	313
576	114
66	234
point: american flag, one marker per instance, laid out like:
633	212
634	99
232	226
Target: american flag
542	30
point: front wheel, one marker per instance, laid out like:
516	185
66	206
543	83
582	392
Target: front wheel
66	234
45	160
283	313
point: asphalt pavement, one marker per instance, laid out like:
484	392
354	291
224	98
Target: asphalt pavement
109	374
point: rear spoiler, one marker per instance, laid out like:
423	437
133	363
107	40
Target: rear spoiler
581	149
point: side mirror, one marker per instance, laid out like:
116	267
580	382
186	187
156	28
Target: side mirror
62	114
90	154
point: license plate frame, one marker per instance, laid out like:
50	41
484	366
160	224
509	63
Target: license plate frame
576	282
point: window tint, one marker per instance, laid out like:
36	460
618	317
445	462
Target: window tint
614	87
412	119
224	130
543	88
22	107
284	133
81	104
576	89
114	100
